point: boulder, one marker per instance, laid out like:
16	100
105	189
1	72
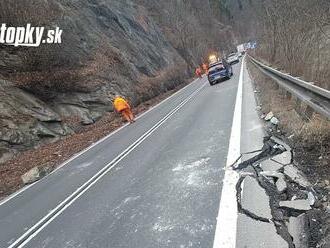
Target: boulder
31	176
274	121
269	116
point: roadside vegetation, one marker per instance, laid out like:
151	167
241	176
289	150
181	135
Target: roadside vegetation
293	36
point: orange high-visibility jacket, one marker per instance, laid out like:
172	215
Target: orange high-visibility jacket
205	68
120	104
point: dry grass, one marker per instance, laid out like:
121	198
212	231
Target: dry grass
168	79
316	131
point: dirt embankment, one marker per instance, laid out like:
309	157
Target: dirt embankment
310	142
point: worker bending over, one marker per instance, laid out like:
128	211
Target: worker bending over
122	106
198	72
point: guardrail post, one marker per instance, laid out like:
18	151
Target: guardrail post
309	111
283	91
297	105
304	111
288	95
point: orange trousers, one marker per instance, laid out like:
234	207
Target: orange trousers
127	114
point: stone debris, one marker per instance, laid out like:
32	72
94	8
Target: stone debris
274	121
327	209
35	174
258	108
31	176
269	116
296	204
293	173
291	136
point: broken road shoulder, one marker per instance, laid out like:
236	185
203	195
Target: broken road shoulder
291	196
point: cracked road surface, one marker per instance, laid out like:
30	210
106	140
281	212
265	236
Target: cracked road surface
162	188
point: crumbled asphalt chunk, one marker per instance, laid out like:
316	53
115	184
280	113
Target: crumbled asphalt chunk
311	198
292	172
296	229
239	203
281	184
271	174
296	204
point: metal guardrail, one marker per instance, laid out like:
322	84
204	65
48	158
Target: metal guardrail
315	97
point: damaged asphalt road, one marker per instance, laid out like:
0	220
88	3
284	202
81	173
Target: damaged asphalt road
288	190
278	206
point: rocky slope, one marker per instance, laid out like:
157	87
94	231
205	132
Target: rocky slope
108	47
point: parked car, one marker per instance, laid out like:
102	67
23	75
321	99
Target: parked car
219	71
233	58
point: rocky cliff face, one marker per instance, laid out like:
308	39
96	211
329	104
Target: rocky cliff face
108	47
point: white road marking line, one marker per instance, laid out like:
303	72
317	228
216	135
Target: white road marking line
226	228
41	224
92	145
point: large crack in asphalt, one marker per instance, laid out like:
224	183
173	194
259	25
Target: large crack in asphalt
280	213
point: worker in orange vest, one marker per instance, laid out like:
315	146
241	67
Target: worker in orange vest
123	107
198	72
205	68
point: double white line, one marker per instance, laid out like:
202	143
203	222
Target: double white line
41	224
